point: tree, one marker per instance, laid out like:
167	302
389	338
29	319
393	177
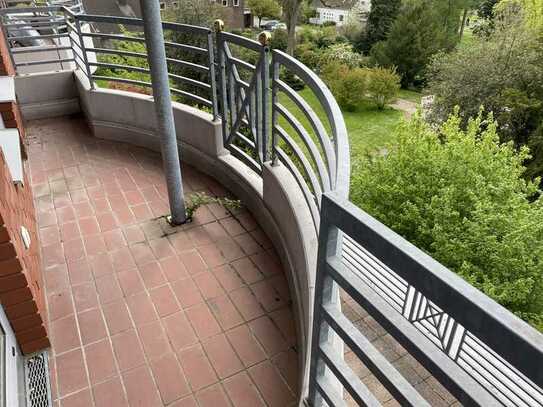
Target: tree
264	8
503	73
380	19
460	196
419	32
291	11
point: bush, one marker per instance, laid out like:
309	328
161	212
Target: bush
329	24
279	39
292	80
383	85
342	54
460	195
347	85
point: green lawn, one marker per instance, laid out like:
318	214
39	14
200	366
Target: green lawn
369	129
411	95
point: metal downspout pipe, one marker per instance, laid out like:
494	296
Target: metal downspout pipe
165	126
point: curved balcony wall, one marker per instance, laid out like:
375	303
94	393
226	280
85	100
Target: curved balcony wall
274	198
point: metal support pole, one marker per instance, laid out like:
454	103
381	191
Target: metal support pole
165	127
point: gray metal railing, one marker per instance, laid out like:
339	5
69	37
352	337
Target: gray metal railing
479	351
247	99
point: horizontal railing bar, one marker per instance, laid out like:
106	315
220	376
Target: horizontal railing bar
113	37
383	370
239	40
192	96
243	156
29	50
375	263
456	380
309	143
186	28
308	195
325	390
35	19
306	165
49	61
38	37
353	256
507	335
188	64
380	290
116	52
25	10
118	66
341	174
123	80
191	81
191	48
314	120
358	390
34	24
94	18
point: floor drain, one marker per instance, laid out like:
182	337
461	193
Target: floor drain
38	388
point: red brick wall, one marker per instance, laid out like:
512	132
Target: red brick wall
21	292
6	67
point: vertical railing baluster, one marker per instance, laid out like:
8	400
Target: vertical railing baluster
265	72
219	25
275	78
213	79
83	50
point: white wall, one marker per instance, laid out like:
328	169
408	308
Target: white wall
13	361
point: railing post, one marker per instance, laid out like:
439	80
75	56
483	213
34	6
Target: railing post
275	77
218	27
212	77
165	126
264	39
83	50
326	293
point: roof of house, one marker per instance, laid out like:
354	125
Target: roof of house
335	4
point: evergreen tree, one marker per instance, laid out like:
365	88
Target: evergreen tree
380	19
421	29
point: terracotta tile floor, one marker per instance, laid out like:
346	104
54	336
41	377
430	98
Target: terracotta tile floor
141	314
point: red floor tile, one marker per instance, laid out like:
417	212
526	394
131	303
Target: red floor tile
109	394
197	368
169	377
128	350
185	320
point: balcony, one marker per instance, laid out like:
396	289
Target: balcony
298	298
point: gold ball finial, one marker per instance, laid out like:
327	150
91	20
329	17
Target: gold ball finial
264	38
218	25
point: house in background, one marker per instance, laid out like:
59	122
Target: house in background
235	15
339	11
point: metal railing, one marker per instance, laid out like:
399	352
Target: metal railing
238	91
479	351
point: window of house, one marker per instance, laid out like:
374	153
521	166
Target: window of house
162	6
175	4
236	3
341	17
225	3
